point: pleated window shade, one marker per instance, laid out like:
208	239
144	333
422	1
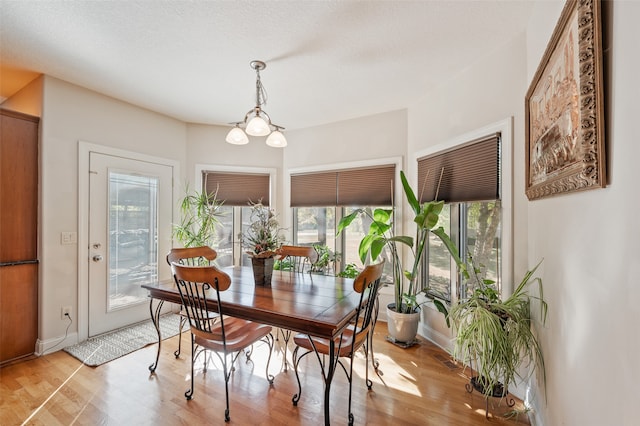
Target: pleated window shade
469	173
370	186
238	189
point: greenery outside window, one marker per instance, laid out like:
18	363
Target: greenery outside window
475	226
317	226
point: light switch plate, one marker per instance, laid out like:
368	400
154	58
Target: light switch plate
68	238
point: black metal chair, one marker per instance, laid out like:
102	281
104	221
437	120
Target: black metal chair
354	337
194	256
229	335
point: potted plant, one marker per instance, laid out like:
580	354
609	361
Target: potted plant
199	218
403	314
261	241
493	335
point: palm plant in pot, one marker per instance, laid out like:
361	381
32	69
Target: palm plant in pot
495	336
199	218
403	314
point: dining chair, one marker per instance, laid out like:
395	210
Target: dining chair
228	336
194	256
366	284
300	259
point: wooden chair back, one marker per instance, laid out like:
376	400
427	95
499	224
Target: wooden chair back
193	256
301	257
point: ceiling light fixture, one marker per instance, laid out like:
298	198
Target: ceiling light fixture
254	122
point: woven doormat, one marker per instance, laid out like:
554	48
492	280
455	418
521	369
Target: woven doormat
115	344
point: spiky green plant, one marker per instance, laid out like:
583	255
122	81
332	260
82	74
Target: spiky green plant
495	335
199	217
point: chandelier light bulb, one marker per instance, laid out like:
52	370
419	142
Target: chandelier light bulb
237	137
258	127
276	139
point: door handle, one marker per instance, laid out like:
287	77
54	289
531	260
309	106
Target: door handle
97	257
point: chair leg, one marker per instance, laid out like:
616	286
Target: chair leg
183	320
374	362
366	362
350	386
226	387
189	393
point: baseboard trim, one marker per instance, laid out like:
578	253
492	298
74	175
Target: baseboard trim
44	347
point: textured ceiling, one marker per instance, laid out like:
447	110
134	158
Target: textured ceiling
326	60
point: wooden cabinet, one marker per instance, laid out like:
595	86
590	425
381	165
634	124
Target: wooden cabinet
18	235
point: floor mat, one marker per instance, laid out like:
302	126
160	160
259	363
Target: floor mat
109	346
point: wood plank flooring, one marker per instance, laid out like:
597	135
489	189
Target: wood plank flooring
418	386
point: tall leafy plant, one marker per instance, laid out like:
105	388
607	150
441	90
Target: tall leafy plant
381	234
199	217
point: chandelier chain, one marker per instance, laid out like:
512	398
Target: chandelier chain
261	92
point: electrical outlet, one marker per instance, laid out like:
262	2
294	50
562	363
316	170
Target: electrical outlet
66	310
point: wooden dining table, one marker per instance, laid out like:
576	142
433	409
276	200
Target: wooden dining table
317	305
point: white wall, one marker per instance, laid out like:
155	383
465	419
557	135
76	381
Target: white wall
589	241
364	138
71	114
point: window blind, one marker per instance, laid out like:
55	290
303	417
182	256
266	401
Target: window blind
466	173
367	186
237	189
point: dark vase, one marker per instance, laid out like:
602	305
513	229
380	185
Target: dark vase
262	270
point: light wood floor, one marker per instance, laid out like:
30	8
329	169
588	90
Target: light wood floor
418	386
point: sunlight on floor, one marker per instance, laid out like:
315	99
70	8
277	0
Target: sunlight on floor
394	376
53	394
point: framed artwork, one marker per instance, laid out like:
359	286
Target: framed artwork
564	108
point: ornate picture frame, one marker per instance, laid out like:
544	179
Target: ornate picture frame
564	107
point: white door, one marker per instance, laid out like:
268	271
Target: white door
130	205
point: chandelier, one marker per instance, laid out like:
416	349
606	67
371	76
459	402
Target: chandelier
257	122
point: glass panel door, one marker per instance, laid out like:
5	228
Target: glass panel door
133	237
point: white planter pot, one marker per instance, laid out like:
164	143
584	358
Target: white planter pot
402	327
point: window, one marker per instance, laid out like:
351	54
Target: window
317	226
321	198
482	237
467	176
438	260
476	227
236	188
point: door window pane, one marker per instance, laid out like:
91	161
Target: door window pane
133	237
